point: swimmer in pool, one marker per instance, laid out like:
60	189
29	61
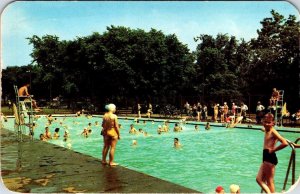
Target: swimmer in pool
177	128
89	126
85	133
165	127
42	137
266	173
141	130
219	190
66	135
235	189
132	130
50	119
47	133
134	142
56	134
207	126
159	129
177	143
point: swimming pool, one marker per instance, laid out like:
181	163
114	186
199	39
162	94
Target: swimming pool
219	156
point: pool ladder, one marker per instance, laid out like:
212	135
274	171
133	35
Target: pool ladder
292	163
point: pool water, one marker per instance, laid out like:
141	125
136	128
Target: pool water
208	158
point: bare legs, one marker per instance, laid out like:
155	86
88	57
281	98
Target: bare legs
198	116
216	116
109	145
265	177
104	152
112	152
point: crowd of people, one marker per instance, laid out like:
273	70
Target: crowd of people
231	113
221	113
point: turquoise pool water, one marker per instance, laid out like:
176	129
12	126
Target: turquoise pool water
219	156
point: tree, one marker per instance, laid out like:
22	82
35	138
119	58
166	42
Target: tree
217	67
47	55
119	63
275	57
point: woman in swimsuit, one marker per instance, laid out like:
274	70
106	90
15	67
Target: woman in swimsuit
111	134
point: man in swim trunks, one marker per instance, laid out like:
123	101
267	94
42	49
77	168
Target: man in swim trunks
23	92
265	176
111	134
274	97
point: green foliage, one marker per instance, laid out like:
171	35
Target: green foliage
217	66
120	62
275	57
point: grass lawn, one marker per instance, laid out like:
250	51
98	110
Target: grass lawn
6	111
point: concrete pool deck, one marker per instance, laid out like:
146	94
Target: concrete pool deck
41	167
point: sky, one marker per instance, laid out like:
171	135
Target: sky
186	19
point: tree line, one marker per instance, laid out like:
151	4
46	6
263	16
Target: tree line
123	63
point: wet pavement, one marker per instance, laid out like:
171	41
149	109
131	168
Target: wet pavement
41	167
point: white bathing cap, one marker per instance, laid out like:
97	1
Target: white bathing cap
110	107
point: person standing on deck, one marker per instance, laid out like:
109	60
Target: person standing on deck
244	109
233	109
139	107
216	112
226	108
204	112
259	112
110	133
199	110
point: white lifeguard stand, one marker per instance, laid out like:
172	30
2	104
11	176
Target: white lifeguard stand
278	107
23	113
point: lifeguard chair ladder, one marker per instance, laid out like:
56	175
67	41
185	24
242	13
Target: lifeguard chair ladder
278	107
24	113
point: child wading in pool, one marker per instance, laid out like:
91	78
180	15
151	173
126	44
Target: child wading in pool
265	176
